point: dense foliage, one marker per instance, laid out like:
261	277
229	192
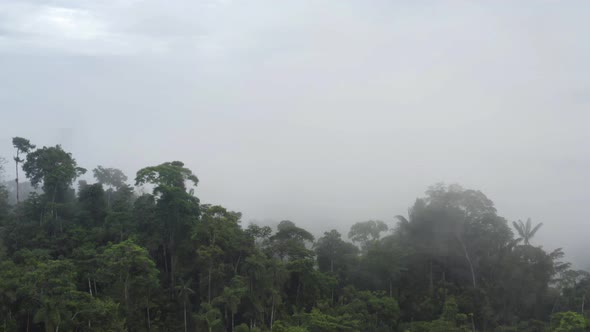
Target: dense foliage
103	258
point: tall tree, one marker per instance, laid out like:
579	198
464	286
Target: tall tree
366	232
55	168
525	230
289	242
112	177
176	208
22	145
3	192
334	255
128	274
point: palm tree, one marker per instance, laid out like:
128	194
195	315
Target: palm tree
525	231
184	291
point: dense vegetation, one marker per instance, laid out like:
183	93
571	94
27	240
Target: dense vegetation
103	258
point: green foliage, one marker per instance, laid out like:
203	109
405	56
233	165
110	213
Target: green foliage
22	145
366	232
209	318
242	328
130	275
568	322
334	255
53	167
290	241
112	177
280	326
166	176
110	260
450	321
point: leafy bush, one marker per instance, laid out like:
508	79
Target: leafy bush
568	322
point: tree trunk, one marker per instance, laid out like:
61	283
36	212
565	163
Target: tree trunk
148	317
209	287
53	202
298	289
431	279
89	287
332	295
126	292
184	305
165	258
390	288
272	312
17	193
237	263
172	268
225	313
468	261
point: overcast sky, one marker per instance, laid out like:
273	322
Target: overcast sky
321	112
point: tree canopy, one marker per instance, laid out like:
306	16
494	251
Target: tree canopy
96	259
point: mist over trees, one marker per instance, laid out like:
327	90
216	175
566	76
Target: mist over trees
101	257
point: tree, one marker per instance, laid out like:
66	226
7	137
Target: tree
184	291
22	145
220	244
2	170
177	209
4	205
119	220
316	321
112	177
10	277
525	230
334	255
54	168
210	317
92	201
50	285
385	261
568	322
290	241
166	176
232	295
128	273
366	232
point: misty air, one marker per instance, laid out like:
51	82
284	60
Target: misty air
294	166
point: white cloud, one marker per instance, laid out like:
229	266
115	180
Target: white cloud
39	28
56	22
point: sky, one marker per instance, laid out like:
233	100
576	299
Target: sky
325	113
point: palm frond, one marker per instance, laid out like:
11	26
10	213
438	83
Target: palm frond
534	230
519	226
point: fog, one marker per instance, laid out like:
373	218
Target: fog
323	113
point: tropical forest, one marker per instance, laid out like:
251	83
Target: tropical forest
100	255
